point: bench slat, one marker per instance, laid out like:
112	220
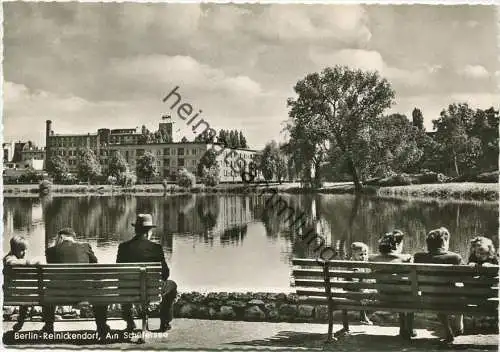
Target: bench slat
101	284
453	290
405	306
403	287
398	267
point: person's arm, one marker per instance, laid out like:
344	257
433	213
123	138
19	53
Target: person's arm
165	270
13	260
49	255
119	254
90	252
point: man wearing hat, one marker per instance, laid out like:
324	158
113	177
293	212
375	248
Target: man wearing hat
68	250
141	249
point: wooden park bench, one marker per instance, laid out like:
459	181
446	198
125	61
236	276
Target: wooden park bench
69	284
434	288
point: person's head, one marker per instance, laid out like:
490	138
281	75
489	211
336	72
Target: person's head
65	234
143	224
359	251
391	242
438	240
482	248
18	246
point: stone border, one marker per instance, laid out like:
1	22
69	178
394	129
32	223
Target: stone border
260	306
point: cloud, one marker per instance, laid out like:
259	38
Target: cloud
152	73
347	23
373	61
474	71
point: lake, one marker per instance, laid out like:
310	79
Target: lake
236	242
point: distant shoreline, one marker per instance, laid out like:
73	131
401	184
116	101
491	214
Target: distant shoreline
465	191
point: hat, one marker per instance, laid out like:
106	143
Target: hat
67	231
144	220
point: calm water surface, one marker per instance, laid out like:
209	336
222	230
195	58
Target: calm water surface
236	243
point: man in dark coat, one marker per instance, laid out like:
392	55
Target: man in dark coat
67	250
438	243
141	249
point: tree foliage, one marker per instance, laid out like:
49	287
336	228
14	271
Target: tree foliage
467	139
57	167
336	107
186	179
87	165
207	161
273	163
117	165
146	167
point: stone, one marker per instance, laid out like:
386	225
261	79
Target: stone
272	296
8	310
227	313
202	312
270	306
187	311
256	302
14	317
280	297
273	315
292	298
288	311
36	310
254	313
305	311
321	313
212	313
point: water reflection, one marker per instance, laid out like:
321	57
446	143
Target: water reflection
216	242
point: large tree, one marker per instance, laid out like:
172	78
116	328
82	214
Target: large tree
117	165
146	166
418	119
273	163
453	132
87	165
338	106
57	167
207	161
243	141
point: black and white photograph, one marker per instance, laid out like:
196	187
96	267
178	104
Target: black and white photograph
250	176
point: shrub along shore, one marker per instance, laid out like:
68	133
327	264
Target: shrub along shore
260	306
457	190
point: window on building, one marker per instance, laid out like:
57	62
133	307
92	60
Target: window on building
180	151
166	151
180	162
166	161
140	152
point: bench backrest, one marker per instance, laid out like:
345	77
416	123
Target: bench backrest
398	287
73	283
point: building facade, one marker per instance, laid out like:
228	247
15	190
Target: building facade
170	157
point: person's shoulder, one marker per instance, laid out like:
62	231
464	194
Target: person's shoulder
420	256
457	257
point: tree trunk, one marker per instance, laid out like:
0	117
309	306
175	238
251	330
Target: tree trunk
358	186
455	162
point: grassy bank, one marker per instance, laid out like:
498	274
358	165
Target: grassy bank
444	191
465	191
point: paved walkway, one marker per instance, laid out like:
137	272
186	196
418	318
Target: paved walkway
213	334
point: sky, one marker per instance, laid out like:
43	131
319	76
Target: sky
109	65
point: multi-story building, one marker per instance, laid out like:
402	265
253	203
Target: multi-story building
170	157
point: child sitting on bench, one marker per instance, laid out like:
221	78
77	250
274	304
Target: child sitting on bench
16	256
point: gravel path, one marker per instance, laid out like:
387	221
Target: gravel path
188	334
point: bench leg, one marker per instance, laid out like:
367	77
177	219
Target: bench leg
330	337
144	317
